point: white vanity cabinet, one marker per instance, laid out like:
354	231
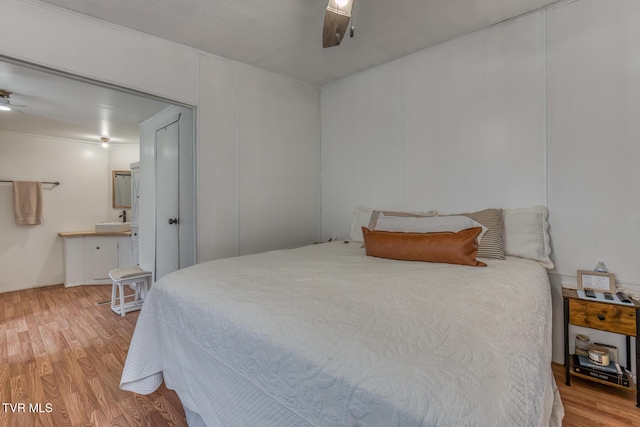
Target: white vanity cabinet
89	256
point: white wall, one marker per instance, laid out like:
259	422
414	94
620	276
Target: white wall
259	165
217	158
32	255
539	110
594	145
594	135
458	127
279	162
121	156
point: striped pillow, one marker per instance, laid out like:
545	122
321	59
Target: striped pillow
491	245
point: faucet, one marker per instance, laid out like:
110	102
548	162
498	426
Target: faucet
123	215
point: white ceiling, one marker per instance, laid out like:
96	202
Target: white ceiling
285	36
70	109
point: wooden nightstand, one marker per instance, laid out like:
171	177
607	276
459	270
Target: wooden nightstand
616	318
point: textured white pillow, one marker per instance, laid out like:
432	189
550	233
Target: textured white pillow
452	223
361	219
526	234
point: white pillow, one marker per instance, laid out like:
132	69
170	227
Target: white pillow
361	219
452	223
526	234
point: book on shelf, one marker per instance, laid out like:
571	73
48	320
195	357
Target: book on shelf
585	362
622	380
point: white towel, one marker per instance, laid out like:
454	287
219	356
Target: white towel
27	202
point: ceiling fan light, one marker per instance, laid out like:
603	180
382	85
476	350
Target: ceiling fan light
341	7
4	104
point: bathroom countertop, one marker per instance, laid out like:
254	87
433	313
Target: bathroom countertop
92	233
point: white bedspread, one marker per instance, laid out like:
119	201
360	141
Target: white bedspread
326	336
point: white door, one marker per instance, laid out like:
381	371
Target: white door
167	191
167	200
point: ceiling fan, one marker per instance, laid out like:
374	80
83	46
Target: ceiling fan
336	21
5	101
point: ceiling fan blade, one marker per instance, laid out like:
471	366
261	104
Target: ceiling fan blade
336	22
335	26
16	105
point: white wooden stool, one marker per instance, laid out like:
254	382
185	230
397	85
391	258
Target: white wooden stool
136	278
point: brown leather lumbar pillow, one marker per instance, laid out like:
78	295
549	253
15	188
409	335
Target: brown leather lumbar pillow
445	246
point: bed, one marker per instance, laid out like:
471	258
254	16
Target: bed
326	336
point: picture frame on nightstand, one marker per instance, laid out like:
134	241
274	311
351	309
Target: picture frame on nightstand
598	282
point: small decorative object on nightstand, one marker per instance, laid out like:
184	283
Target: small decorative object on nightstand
605	316
597	281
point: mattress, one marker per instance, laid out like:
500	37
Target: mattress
325	336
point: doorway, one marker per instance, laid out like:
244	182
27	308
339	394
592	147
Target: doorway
39	140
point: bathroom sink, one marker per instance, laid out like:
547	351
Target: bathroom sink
112	227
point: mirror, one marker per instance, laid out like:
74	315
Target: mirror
121	188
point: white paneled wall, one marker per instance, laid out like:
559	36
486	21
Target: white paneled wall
259	167
279	161
457	127
594	136
217	159
474	122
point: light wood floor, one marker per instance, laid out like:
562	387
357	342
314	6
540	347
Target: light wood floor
587	403
58	347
